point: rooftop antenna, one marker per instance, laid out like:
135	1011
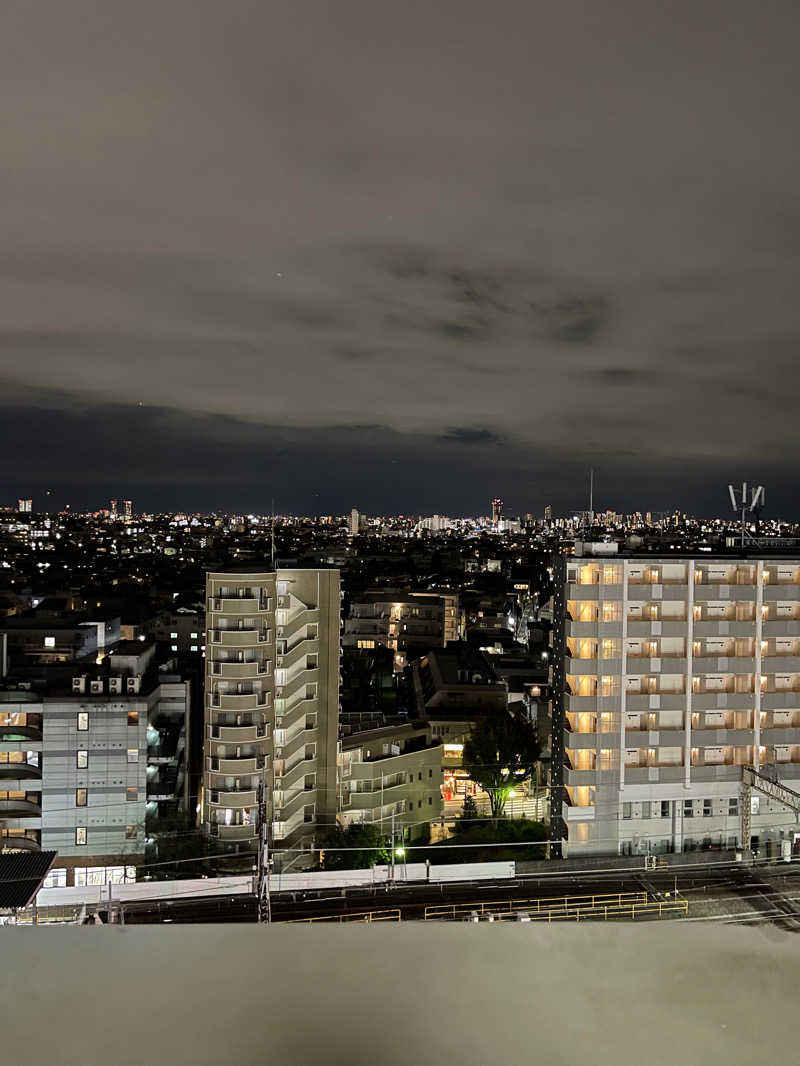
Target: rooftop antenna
272	534
591	494
740	504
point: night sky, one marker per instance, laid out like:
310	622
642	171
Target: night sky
400	256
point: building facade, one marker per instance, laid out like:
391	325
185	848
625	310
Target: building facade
391	777
87	763
670	675
271	706
403	621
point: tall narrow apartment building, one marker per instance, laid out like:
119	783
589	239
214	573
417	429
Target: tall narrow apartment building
670	675
271	706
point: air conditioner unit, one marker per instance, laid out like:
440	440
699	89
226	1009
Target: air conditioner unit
96	687
79	684
115	685
133	684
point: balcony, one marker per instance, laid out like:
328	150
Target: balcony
724	627
238	734
784	593
771	701
655	701
231	797
716	772
233	832
237	605
10	733
239	638
236	767
14	808
780	627
723	664
18	843
238	701
643	775
655	627
718	593
235	671
730	701
18	771
654	664
711	737
780	664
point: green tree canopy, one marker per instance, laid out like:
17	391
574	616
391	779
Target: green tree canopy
500	754
364	846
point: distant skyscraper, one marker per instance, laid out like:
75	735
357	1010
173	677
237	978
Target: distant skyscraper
355	522
548	513
497	510
113	508
128	509
25	505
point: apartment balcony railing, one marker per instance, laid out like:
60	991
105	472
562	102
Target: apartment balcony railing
232	832
238	604
18	808
18	771
236	767
238	701
246	732
246	796
239	638
10	733
235	670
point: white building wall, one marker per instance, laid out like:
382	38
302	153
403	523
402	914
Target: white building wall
681	672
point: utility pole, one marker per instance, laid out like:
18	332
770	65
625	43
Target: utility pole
262	876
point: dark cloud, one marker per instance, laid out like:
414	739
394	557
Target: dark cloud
467	435
624	375
415	217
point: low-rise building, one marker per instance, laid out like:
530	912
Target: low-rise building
391	777
407	622
87	758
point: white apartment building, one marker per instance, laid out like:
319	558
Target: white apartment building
83	767
677	673
271	705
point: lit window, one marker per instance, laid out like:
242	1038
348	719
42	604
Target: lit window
193	636
174	647
83	721
49	642
133	717
131	794
80	835
81	797
83	759
133	754
193	648
173	636
130	832
55	879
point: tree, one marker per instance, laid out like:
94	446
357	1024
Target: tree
363	846
469	814
500	754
